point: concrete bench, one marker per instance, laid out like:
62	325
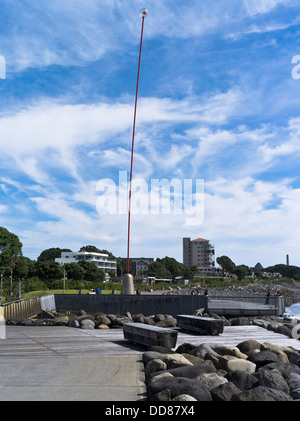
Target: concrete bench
148	335
203	325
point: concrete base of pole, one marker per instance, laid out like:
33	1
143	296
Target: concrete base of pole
127	285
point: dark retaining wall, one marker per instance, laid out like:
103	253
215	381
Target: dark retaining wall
119	304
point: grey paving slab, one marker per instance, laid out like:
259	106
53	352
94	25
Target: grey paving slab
65	364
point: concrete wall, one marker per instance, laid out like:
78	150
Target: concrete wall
119	304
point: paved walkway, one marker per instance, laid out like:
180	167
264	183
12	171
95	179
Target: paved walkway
65	364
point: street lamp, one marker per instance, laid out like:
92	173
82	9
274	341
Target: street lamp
128	285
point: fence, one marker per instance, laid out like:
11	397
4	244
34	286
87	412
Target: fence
119	304
246	304
22	309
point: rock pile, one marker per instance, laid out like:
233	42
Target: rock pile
92	321
249	371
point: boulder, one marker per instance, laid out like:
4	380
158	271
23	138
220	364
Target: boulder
294	381
224	392
246	347
102	326
240	365
154	366
253	395
285	369
194	360
284	330
159	318
293	357
102	319
138	318
166	323
162	396
210	381
277	395
242	380
175	360
295	394
61	321
74	323
184	398
272	379
179	386
202	350
150	355
160	375
229	350
262	358
193	371
185	348
87	324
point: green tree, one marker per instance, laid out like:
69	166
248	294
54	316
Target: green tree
241	271
75	271
92	273
168	267
51	254
10	248
48	271
226	264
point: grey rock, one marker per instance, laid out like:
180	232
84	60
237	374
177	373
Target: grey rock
246	347
272	379
74	323
262	358
295	394
224	392
87	324
210	381
162	396
179	386
277	395
294	381
193	371
253	395
184	398
241	380
154	366
285	369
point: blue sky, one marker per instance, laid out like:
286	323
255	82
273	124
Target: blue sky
217	102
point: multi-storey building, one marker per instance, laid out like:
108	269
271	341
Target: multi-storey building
101	260
200	253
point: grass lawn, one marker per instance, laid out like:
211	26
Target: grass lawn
60	291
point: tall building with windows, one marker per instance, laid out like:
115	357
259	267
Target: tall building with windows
200	253
101	260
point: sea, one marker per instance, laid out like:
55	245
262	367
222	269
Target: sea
293	310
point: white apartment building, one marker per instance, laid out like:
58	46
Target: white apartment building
200	253
101	260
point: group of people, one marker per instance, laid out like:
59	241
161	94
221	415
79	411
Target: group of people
277	293
198	292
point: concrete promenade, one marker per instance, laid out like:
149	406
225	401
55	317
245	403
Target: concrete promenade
68	364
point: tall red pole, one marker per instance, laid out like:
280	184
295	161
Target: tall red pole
143	15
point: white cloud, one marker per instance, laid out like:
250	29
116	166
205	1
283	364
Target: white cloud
255	7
